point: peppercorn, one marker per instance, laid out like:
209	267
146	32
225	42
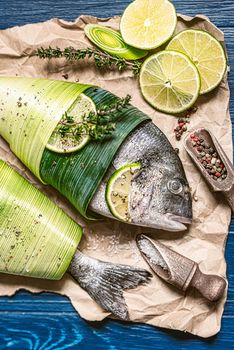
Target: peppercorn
208	158
213	161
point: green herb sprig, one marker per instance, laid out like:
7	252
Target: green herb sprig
101	59
99	126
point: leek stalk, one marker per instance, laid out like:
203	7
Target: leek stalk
37	238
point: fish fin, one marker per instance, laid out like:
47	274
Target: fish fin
105	282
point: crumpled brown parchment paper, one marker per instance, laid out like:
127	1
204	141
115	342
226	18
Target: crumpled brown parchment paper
157	303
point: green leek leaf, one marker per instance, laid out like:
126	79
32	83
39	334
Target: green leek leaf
30	111
111	41
32	108
78	175
37	238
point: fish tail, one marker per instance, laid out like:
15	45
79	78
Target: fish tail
105	282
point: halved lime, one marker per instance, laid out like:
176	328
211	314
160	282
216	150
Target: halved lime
111	41
67	143
207	54
148	24
169	81
117	190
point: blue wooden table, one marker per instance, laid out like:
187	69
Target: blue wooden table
48	321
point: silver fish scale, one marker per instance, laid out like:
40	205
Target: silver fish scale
159	196
138	146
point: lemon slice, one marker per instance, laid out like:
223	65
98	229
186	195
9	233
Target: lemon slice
117	191
206	53
169	81
147	24
68	143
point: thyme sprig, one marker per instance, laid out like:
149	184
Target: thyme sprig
99	126
101	59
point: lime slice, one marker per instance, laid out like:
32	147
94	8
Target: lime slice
69	143
111	41
169	81
148	24
207	54
117	191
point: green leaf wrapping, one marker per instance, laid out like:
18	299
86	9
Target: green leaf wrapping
77	176
30	110
37	238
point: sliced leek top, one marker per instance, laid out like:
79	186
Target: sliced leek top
30	110
78	175
37	239
111	41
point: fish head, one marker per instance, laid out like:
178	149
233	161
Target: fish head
160	195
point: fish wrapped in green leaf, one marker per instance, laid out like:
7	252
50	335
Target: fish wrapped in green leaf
43	119
37	239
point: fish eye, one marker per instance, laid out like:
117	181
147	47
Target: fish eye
175	186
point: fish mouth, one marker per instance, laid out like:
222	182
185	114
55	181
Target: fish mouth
181	219
178	222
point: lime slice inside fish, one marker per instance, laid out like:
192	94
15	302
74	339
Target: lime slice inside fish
170	81
67	142
148	24
207	54
117	191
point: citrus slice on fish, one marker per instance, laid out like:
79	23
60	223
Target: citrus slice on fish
64	140
207	54
170	81
148	24
118	188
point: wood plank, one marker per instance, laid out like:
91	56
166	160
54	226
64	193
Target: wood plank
66	330
18	12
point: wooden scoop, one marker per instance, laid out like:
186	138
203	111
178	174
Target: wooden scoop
179	270
226	186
